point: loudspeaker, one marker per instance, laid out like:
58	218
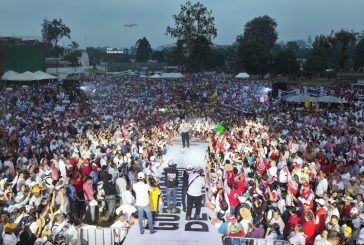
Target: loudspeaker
276	86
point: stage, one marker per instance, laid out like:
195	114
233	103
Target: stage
173	229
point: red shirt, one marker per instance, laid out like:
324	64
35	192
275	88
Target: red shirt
233	197
321	214
292	222
347	210
78	185
309	230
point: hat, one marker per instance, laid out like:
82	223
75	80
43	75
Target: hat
141	175
170	162
347	199
306	184
245	213
297	166
348	229
152	158
189	167
320	201
350	190
9	227
353	179
213	175
229	167
36	189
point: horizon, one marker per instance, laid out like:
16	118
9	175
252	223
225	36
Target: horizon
102	24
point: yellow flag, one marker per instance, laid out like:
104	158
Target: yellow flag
317	109
307	102
214	95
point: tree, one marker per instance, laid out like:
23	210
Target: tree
193	21
73	59
53	31
143	51
262	30
252	57
341	42
285	63
74	45
200	54
358	58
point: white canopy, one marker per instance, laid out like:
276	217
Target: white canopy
322	99
9	75
331	99
44	76
242	75
172	75
155	76
26	76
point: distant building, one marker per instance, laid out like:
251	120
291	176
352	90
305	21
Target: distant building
21	55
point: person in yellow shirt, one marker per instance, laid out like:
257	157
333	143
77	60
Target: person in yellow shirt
154	196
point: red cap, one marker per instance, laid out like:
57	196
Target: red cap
306	184
297	165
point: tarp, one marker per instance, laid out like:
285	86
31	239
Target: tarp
242	75
9	75
44	76
155	76
172	75
322	99
26	76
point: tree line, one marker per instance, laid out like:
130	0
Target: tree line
254	51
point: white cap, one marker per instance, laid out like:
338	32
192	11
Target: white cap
189	167
170	162
320	201
141	175
152	158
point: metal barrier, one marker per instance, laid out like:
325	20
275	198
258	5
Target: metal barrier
252	241
102	236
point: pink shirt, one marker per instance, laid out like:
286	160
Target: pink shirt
88	192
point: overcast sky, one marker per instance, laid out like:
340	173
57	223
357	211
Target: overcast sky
101	22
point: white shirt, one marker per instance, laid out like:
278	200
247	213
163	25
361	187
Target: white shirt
321	187
298	239
9	239
198	183
119	228
142	193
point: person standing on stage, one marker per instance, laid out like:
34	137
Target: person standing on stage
171	181
186	173
142	189
185	129
196	183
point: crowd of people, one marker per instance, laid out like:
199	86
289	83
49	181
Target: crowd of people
279	171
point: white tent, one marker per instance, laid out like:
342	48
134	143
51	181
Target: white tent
44	76
9	75
172	75
242	75
155	76
26	76
330	99
299	98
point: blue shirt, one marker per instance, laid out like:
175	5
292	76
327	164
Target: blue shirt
71	192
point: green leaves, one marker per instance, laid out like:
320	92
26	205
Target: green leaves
143	51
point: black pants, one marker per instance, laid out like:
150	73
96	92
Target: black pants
184	194
191	200
186	139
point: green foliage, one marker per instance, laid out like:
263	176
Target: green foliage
262	30
285	62
53	31
143	51
358	58
194	29
253	57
